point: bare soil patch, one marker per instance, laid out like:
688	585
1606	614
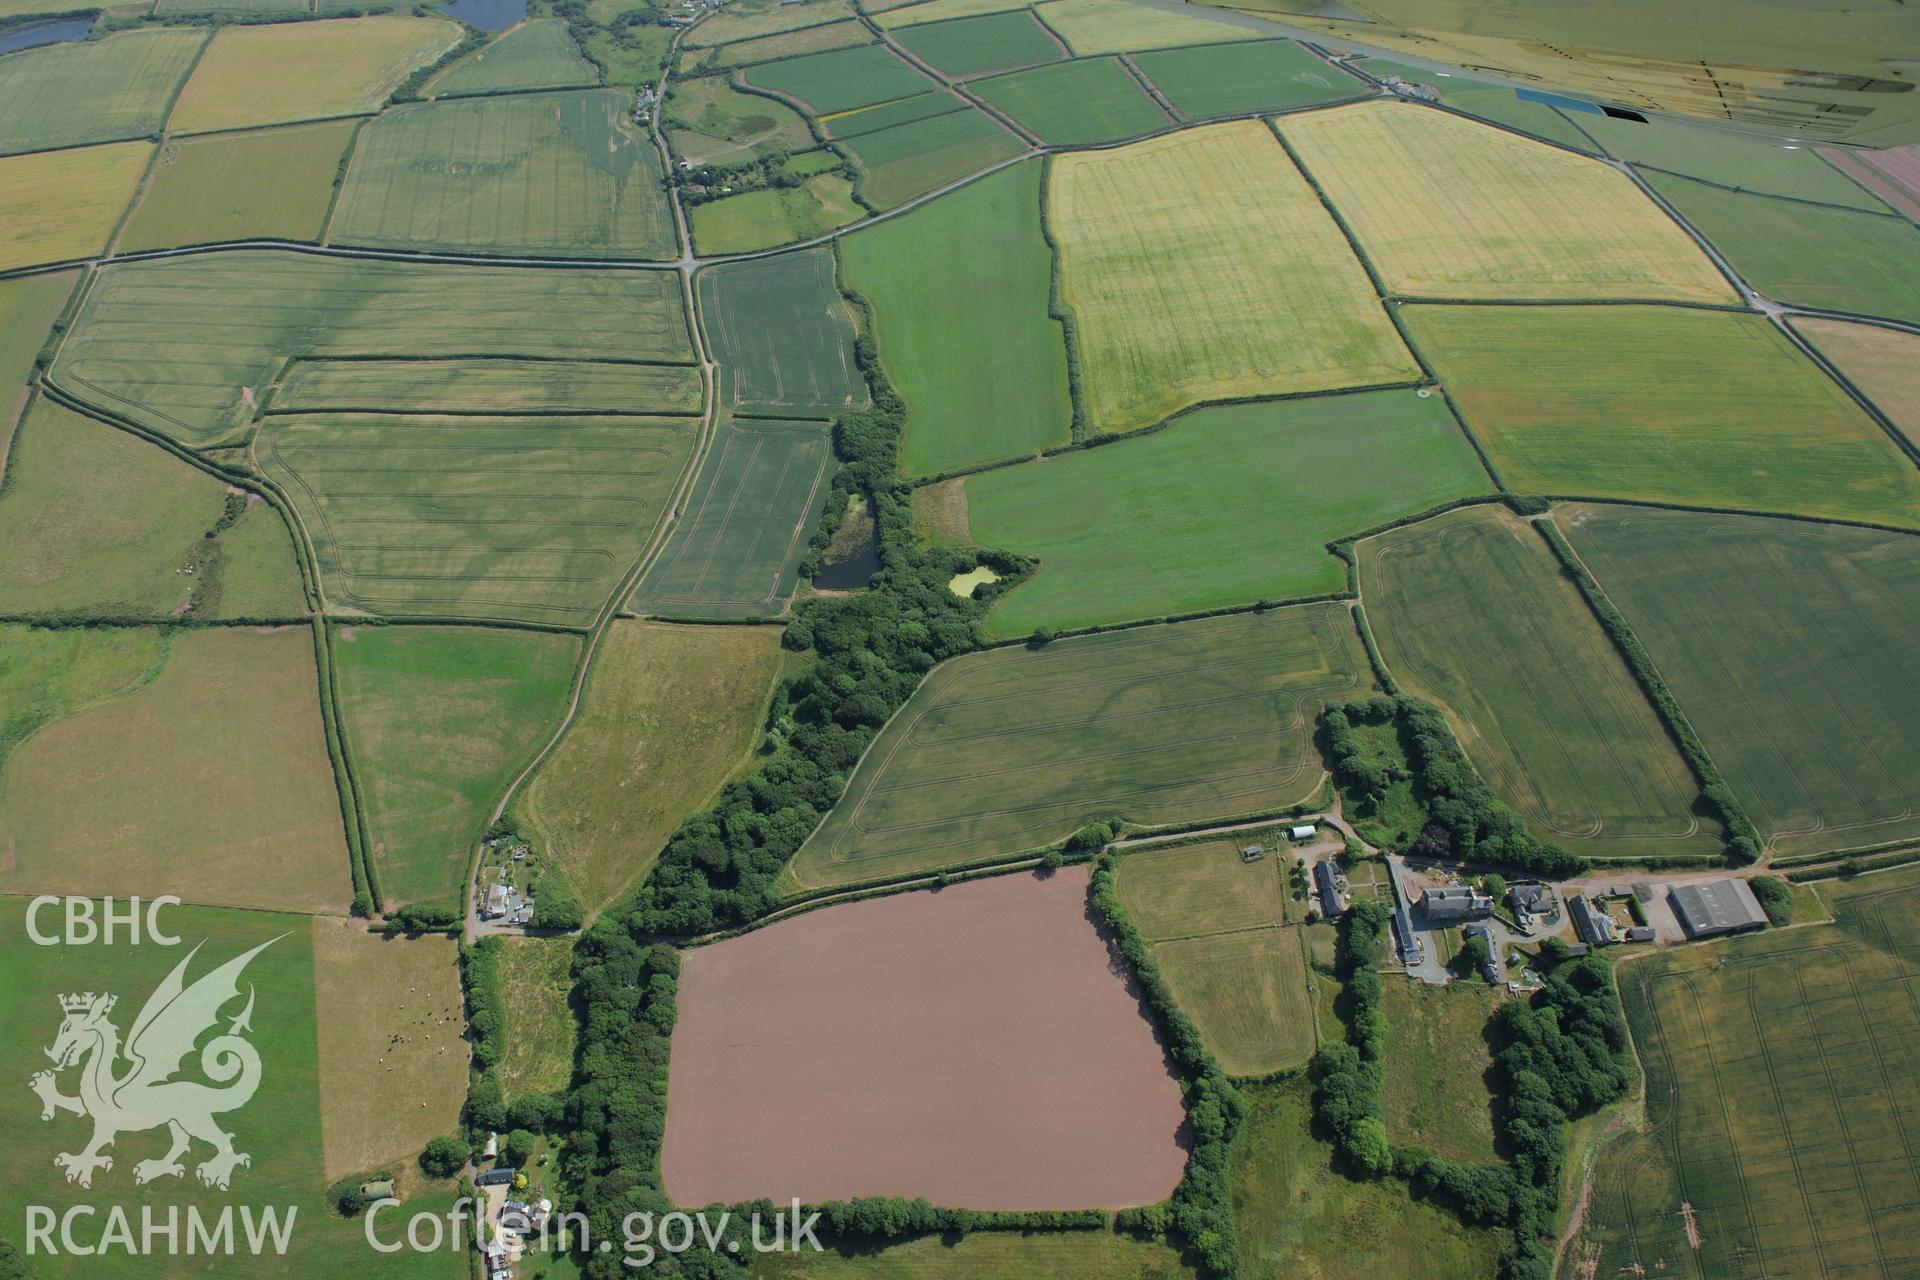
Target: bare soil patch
977	1045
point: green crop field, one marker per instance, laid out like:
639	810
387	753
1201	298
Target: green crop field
1732	160
991	42
208	780
788	44
912	159
1806	699
708	119
1234	79
539	54
524	518
1014	748
275	8
1201	266
767	219
842	79
562	173
1543	704
1436	1091
670	712
886	115
187	346
783	335
1211	511
986	1255
96	521
63	95
1883	363
1663	404
736	549
749	19
1452	208
58	206
28	308
273	184
285	1126
1778	1135
1839	259
535	979
487	386
1113	26
1071	103
1495	103
438	720
1295	1215
959	296
254	75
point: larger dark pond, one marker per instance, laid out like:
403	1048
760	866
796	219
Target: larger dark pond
45	33
488	15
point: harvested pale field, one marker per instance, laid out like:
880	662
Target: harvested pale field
392	1037
1201	266
974	1046
938	11
270	184
306	70
1451	208
1111	26
1883	363
210	782
535	980
60	205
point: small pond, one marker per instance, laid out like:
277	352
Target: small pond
45	33
964	584
851	571
488	15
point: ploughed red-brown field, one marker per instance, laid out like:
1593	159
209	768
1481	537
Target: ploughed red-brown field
974	1045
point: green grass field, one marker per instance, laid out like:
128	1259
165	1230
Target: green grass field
1213	511
254	75
28	308
187	346
912	159
1663	404
1883	363
990	42
59	206
1545	707
670	712
1806	699
284	1127
1436	1092
1296	1216
50	674
787	44
96	521
532	519
535	980
842	79
783	335
750	19
62	95
959	295
562	173
1450	208
274	184
1201	266
1113	26
1838	259
209	781
539	54
1072	103
707	119
487	386
1190	890
887	115
766	219
1730	159
438	720
735	551
1497	104
1234	79
1014	748
1778	1134
1064	1255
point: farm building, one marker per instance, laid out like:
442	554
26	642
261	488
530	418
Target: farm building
1253	853
1411	952
1640	933
1490	967
1328	889
1302	832
1531	899
1592	925
1724	906
494	1178
1456	902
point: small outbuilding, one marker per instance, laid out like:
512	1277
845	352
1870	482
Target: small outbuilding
1411	951
1253	853
1302	832
1717	907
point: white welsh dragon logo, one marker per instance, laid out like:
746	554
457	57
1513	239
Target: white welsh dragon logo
145	1095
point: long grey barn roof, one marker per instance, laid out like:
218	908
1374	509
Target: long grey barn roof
1718	907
